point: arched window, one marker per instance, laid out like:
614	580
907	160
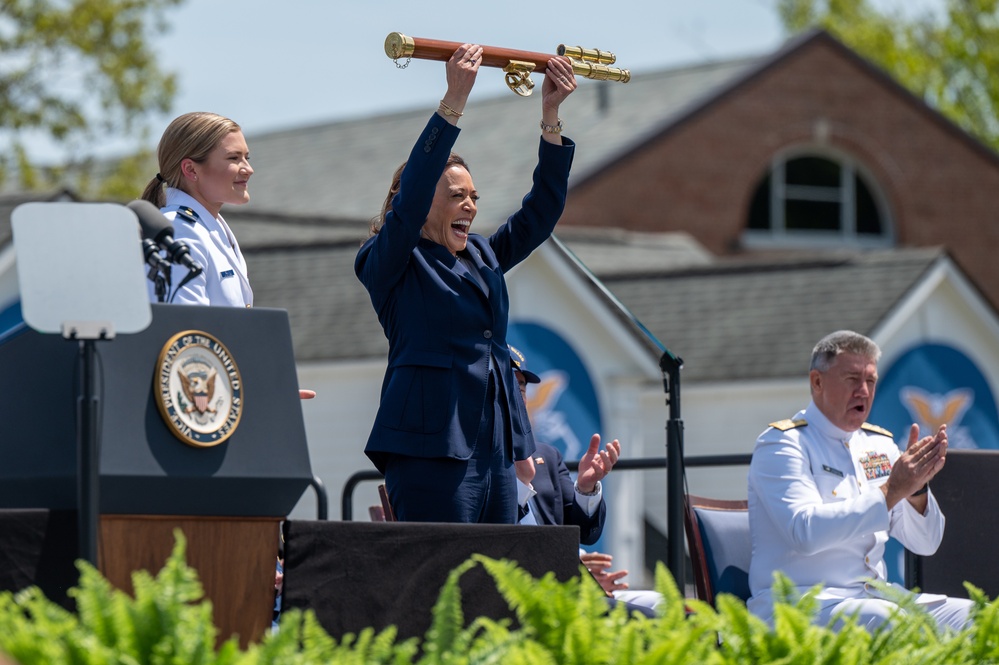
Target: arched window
817	198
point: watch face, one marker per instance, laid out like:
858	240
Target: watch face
198	389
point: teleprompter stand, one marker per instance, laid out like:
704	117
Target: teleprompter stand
81	276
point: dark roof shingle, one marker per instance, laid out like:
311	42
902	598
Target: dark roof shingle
745	320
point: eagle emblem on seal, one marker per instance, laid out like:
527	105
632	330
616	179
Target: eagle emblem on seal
198	389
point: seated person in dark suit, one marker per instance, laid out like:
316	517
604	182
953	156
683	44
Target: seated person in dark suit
550	497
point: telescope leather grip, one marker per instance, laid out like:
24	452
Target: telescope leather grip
398	45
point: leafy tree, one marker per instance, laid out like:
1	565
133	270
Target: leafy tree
949	58
76	72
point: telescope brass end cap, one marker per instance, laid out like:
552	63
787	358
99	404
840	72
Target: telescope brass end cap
398	45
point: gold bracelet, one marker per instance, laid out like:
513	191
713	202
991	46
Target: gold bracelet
449	111
552	129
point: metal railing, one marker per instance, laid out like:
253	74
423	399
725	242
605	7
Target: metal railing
322	498
640	463
630	464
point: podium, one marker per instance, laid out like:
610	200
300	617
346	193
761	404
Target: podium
229	498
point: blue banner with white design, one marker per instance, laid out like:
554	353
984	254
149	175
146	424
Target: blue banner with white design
933	384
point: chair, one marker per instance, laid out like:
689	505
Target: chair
382	512
719	545
386	506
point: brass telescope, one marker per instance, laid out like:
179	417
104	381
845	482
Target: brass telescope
518	65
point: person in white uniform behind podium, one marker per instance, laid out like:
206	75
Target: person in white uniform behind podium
204	164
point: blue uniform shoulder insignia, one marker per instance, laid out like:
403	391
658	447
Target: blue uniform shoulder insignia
787	423
877	430
188	215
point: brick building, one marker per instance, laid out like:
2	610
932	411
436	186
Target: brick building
812	148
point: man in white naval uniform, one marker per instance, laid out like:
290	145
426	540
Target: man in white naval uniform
826	490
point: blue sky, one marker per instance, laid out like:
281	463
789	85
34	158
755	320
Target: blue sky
276	65
271	65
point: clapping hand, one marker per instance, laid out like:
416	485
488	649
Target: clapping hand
595	464
922	460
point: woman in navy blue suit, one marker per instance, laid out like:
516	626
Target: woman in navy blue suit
450	424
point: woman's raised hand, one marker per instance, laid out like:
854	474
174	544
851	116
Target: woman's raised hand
461	71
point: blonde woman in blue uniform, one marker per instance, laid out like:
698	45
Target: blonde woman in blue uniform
204	164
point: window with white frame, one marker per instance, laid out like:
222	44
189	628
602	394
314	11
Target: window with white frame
817	198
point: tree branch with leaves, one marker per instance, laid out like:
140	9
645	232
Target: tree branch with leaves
950	58
76	72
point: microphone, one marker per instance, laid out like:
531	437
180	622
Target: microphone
151	253
159	268
156	227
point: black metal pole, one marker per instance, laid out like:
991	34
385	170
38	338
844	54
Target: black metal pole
670	366
322	499
88	456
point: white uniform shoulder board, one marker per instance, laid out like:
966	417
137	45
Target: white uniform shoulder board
877	430
787	423
188	215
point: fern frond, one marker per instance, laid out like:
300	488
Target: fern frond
984	631
629	643
95	603
545	607
448	619
515	649
674	607
316	642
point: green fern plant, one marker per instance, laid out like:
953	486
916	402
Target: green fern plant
163	625
168	622
301	640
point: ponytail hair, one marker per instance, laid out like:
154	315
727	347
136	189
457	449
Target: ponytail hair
154	191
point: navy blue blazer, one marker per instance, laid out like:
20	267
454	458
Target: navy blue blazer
445	333
556	496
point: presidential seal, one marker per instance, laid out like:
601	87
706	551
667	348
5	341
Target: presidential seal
198	389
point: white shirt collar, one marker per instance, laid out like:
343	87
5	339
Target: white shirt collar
813	414
178	197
